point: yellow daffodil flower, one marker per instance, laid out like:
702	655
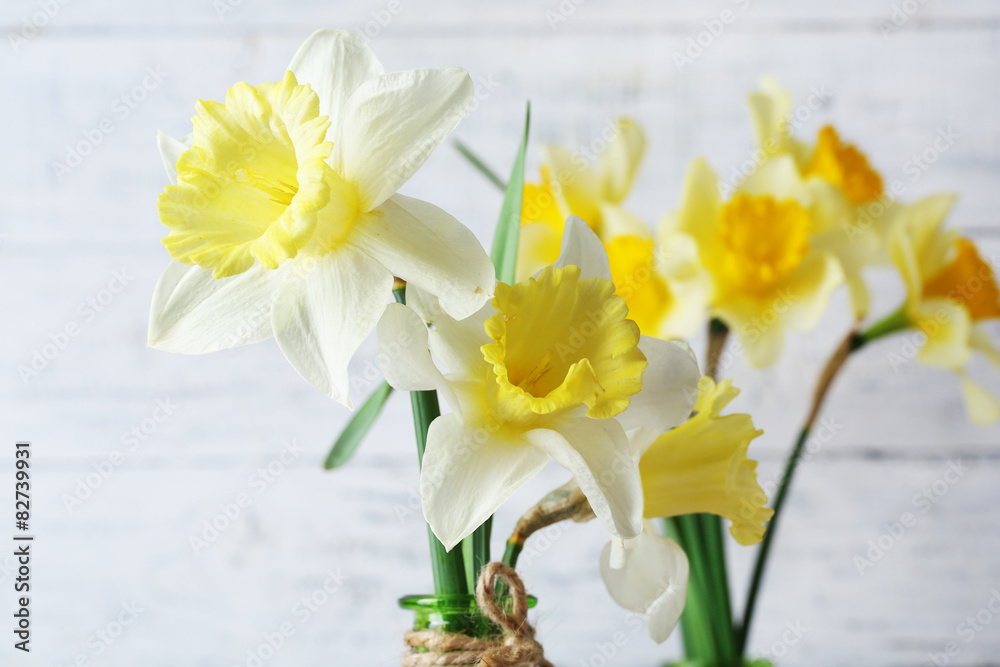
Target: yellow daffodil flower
552	368
950	290
571	186
662	291
758	253
700	466
283	215
857	212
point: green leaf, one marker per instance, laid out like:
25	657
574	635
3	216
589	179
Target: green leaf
474	160
508	232
352	435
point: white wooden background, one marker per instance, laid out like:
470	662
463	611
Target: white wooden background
895	433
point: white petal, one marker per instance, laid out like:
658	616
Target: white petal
467	473
393	123
669	390
651	581
171	149
323	313
194	313
403	352
335	63
425	246
454	343
597	452
581	247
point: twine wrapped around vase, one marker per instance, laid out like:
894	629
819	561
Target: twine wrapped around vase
517	646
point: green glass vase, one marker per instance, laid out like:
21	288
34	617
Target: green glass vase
452	613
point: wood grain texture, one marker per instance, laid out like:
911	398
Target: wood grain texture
894	428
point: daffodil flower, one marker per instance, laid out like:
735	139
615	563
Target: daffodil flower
700	466
661	288
284	218
857	215
950	290
552	368
571	186
758	253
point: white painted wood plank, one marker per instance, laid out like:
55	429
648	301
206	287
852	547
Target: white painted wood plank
522	15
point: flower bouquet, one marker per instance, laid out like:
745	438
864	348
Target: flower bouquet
564	343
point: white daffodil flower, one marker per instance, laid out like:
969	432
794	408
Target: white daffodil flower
283	215
552	368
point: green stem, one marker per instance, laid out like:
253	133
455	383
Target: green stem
696	621
896	321
448	567
511	554
852	342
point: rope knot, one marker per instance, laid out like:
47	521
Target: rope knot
516	648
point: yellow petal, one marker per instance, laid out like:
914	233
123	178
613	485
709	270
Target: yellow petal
918	244
702	466
560	342
252	183
948	328
981	406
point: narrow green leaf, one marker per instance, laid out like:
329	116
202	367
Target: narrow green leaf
476	162
352	435
508	232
